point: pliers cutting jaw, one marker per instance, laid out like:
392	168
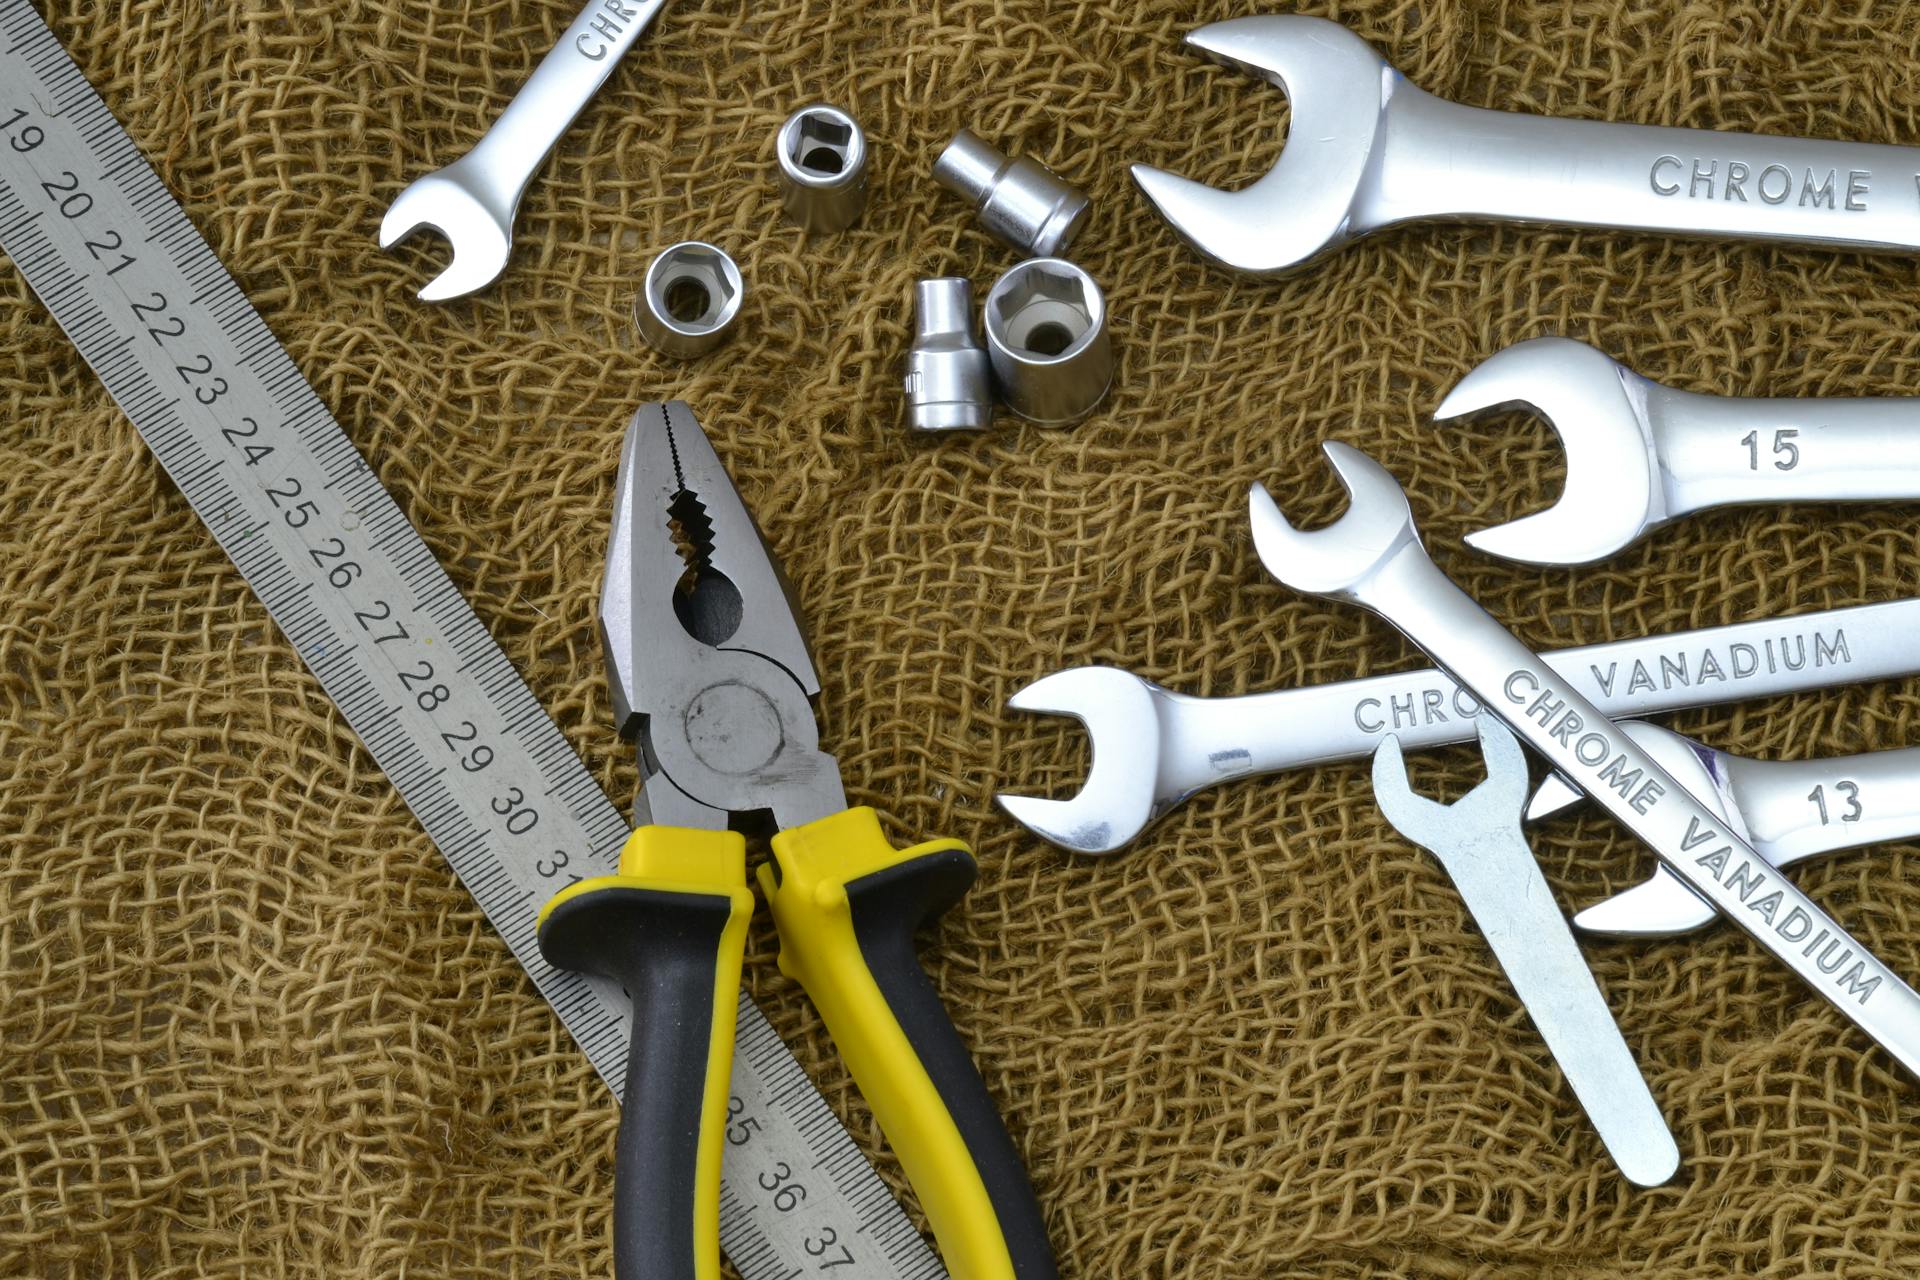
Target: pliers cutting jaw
706	657
710	672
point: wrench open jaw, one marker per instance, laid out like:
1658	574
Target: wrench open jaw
1616	490
459	203
1479	842
1311	201
1343	558
1641	454
1121	795
1373	557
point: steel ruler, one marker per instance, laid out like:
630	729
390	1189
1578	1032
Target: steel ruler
348	580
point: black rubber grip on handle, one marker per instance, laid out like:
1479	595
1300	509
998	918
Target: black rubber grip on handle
666	950
888	907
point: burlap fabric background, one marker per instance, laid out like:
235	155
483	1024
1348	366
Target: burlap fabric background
253	1027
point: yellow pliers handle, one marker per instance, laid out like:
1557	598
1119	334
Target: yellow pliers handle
671	928
847	904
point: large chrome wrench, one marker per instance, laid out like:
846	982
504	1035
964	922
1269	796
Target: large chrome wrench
1367	150
1788	810
472	201
1152	748
1640	455
1478	840
1373	557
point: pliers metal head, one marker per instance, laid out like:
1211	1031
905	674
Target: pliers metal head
706	655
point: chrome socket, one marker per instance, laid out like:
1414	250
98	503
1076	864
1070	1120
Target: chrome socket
823	168
1021	201
1046	323
689	300
949	380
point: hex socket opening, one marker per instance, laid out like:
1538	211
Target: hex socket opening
1044	312
690	298
1046	323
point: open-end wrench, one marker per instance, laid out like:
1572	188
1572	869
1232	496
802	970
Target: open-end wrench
1640	455
472	201
1478	840
1372	556
1152	748
1367	150
1788	810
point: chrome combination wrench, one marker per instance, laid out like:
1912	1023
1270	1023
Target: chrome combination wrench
1372	556
1153	748
1640	455
1366	149
1788	810
1478	840
472	201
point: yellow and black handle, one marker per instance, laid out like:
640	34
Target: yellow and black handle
847	904
671	928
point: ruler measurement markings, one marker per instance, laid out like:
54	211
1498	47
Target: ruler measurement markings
354	673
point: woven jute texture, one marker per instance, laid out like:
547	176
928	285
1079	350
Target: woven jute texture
250	1024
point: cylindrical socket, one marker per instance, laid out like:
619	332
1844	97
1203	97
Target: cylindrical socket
823	168
689	301
949	382
1020	201
1046	323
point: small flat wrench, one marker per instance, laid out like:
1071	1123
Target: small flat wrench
1152	748
1478	840
472	201
1373	557
1366	150
1640	455
1788	810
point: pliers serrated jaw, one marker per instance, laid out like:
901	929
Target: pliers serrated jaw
707	659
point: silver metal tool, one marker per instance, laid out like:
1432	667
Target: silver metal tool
822	155
1373	557
1020	201
1367	150
1788	810
472	201
949	380
1046	323
689	300
1641	455
1479	841
358	593
1152	748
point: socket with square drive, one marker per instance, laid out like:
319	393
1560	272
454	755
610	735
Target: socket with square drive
1020	201
1367	150
822	156
949	379
1641	455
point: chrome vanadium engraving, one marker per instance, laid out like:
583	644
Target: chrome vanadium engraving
1373	557
1368	150
1788	810
1152	748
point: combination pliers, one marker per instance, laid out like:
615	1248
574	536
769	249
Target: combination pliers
711	674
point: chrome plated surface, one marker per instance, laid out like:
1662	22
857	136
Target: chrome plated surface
1478	840
1372	557
1640	455
1367	150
